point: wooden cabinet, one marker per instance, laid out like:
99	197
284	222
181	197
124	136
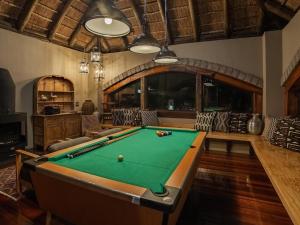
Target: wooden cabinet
54	91
49	129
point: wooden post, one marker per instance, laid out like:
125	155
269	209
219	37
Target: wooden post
18	169
198	105
144	94
48	218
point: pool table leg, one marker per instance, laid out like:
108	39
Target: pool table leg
48	218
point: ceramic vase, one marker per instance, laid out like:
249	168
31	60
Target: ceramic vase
255	124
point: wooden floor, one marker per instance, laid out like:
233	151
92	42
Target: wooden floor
230	189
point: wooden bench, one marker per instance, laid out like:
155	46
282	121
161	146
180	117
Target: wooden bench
281	165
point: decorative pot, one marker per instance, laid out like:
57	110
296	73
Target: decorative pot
255	124
88	107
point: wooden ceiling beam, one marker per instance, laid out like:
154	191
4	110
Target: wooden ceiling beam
226	19
105	44
91	44
164	20
60	19
136	12
75	35
193	19
77	30
26	14
278	10
125	42
260	23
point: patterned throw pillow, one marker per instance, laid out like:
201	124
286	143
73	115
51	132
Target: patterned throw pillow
293	138
280	135
270	127
221	121
117	116
204	121
149	118
129	117
238	122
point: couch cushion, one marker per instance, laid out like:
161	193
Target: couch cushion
149	118
238	122
117	116
204	121
68	143
129	117
221	121
293	137
280	134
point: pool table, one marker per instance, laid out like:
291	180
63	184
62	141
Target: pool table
148	187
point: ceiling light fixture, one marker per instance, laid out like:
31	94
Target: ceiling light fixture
145	43
165	55
104	19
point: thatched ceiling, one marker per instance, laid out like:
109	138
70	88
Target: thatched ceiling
59	21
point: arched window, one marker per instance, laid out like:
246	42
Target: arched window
171	91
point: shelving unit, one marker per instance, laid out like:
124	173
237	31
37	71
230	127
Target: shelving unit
53	91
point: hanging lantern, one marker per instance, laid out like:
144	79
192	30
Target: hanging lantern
84	67
95	55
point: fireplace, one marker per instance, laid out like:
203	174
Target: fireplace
13	125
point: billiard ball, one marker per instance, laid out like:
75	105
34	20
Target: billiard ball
120	158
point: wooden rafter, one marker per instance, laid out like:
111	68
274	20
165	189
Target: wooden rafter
260	21
78	29
75	34
60	19
125	42
91	44
105	44
193	19
135	12
226	19
278	10
26	14
165	20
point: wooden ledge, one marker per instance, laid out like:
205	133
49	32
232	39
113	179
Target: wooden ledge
281	165
231	136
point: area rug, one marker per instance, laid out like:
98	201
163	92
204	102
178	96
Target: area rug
8	182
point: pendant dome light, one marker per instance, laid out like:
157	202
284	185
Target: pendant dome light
145	43
104	19
165	55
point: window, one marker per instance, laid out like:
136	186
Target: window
218	96
128	96
171	91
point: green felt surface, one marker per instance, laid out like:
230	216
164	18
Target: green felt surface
149	160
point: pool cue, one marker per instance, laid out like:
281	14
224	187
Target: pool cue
89	149
85	150
122	137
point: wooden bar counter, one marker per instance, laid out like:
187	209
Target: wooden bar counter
281	165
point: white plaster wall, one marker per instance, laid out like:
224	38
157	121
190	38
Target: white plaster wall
29	58
272	72
290	41
243	54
